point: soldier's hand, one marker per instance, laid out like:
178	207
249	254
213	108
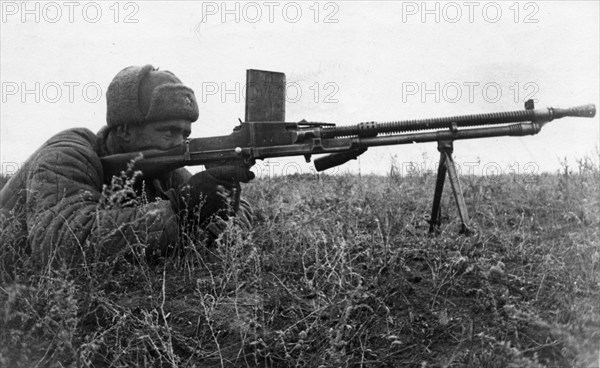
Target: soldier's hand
213	189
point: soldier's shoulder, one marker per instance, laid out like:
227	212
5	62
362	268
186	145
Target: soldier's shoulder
75	146
79	139
75	135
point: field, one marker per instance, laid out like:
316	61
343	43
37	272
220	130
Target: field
337	272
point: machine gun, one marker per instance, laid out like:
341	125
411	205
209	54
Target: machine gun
265	134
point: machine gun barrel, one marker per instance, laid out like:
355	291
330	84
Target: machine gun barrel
372	129
512	123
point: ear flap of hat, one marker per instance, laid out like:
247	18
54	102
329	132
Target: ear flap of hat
172	101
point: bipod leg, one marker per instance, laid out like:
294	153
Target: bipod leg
436	210
447	166
458	195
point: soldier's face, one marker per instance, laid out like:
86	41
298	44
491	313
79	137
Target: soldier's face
159	135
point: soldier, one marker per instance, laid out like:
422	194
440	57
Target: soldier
56	199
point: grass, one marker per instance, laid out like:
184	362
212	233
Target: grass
337	272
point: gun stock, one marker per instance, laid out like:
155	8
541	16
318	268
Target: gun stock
151	163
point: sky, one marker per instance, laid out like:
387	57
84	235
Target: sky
345	63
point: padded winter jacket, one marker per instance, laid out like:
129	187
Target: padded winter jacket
56	200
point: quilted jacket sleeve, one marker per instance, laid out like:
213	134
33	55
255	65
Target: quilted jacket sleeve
69	220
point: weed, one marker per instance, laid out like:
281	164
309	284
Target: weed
336	272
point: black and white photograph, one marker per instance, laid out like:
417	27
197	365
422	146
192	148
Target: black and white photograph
300	184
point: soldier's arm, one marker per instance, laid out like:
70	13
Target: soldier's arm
67	217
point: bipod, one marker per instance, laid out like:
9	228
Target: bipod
447	166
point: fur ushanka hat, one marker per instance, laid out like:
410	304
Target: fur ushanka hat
143	94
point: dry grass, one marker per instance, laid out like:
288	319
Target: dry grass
338	272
